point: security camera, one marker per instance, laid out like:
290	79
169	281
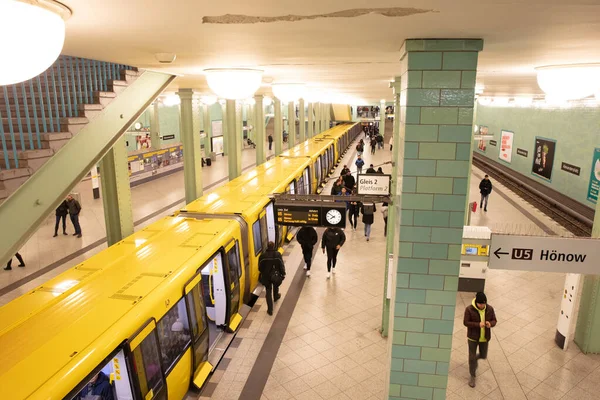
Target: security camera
165	58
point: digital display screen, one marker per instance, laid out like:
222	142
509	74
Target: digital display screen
291	215
471	251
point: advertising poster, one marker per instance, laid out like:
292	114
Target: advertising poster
217	128
506	144
483	130
594	185
217	144
543	157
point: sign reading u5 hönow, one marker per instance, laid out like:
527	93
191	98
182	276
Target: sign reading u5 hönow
548	254
373	184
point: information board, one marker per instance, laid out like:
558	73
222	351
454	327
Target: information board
373	184
293	213
298	215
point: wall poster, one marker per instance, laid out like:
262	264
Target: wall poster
506	144
543	157
217	128
217	144
483	130
594	185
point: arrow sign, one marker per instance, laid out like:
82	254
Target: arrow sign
498	252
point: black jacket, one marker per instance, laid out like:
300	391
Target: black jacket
62	209
472	319
371	171
345	170
101	387
354	207
333	237
349	182
485	187
336	189
74	207
266	262
307	237
270	139
368	212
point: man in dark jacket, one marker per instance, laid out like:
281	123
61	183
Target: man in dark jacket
368	212
271	268
307	237
479	319
349	181
485	188
371	170
61	213
74	210
270	141
345	170
336	189
332	241
98	386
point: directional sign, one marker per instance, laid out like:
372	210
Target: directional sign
549	254
377	184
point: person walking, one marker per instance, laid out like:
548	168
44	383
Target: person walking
371	169
360	147
307	237
485	188
373	144
345	170
333	239
9	263
337	186
391	142
270	141
272	274
349	181
353	212
479	319
74	210
384	212
380	171
61	214
379	141
368	212
359	164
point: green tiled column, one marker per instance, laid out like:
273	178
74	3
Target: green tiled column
436	115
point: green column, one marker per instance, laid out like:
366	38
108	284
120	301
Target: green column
436	114
277	127
224	126
311	121
154	125
587	331
291	124
233	157
382	119
192	157
317	111
321	117
207	127
116	193
327	115
302	121
259	129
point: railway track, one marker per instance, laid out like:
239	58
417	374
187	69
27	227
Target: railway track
573	225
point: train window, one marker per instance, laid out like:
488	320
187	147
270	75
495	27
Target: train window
174	335
257	239
306	176
146	363
235	268
301	185
198	323
318	171
263	231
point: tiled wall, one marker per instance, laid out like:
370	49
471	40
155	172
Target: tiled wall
437	95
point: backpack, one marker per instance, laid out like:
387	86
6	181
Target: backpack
276	277
368	209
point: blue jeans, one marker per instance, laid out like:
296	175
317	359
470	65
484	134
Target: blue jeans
368	230
75	221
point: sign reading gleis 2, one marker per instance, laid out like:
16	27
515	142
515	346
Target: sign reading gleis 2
374	184
549	254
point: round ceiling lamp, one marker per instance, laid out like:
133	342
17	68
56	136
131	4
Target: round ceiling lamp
171	100
33	34
267	101
523	101
288	92
569	82
234	83
208	100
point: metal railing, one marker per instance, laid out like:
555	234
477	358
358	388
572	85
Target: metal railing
31	108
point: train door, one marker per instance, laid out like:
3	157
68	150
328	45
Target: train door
198	322
215	296
318	171
234	267
301	185
271	229
292	187
307	185
145	359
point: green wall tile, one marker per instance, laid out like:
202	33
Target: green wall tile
444	298
455	133
425	60
469	79
439	115
418	281
418	366
445	202
419	167
437	151
408	325
400	309
411	296
448	311
423	97
414	79
435	354
415	234
424	250
413	115
435	381
443	267
405	249
456	97
407	352
463	151
407	216
424	311
434	185
439	394
421	133
403	378
457	219
465	116
402	280
445	341
395	390
454	252
416	392
431	218
411	150
462	60
409	184
441	79
438	326
451	283
398	338
457	169
413	265
461	186
417	201
446	235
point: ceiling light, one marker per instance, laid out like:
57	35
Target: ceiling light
569	82
500	101
289	92
475	128
234	83
556	101
171	100
208	100
523	101
32	38
484	101
250	101
267	101
479	89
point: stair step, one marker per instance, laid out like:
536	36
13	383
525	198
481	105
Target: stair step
13	178
33	159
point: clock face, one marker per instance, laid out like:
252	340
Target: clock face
138	126
333	217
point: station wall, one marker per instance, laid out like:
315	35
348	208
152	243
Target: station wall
575	133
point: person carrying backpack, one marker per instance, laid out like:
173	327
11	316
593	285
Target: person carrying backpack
360	148
368	212
272	274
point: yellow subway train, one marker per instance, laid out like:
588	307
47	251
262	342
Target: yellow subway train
147	317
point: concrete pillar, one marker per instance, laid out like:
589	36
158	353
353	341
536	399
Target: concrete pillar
302	121
259	129
291	124
311	122
278	127
224	126
154	125
192	156
207	127
436	114
116	193
382	120
233	157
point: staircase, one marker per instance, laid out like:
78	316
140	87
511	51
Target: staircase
39	116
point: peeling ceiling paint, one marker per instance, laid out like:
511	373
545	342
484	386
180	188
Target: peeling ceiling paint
353	13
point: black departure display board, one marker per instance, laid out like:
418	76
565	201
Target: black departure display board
311	214
298	215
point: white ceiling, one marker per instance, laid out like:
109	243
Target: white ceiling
357	56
